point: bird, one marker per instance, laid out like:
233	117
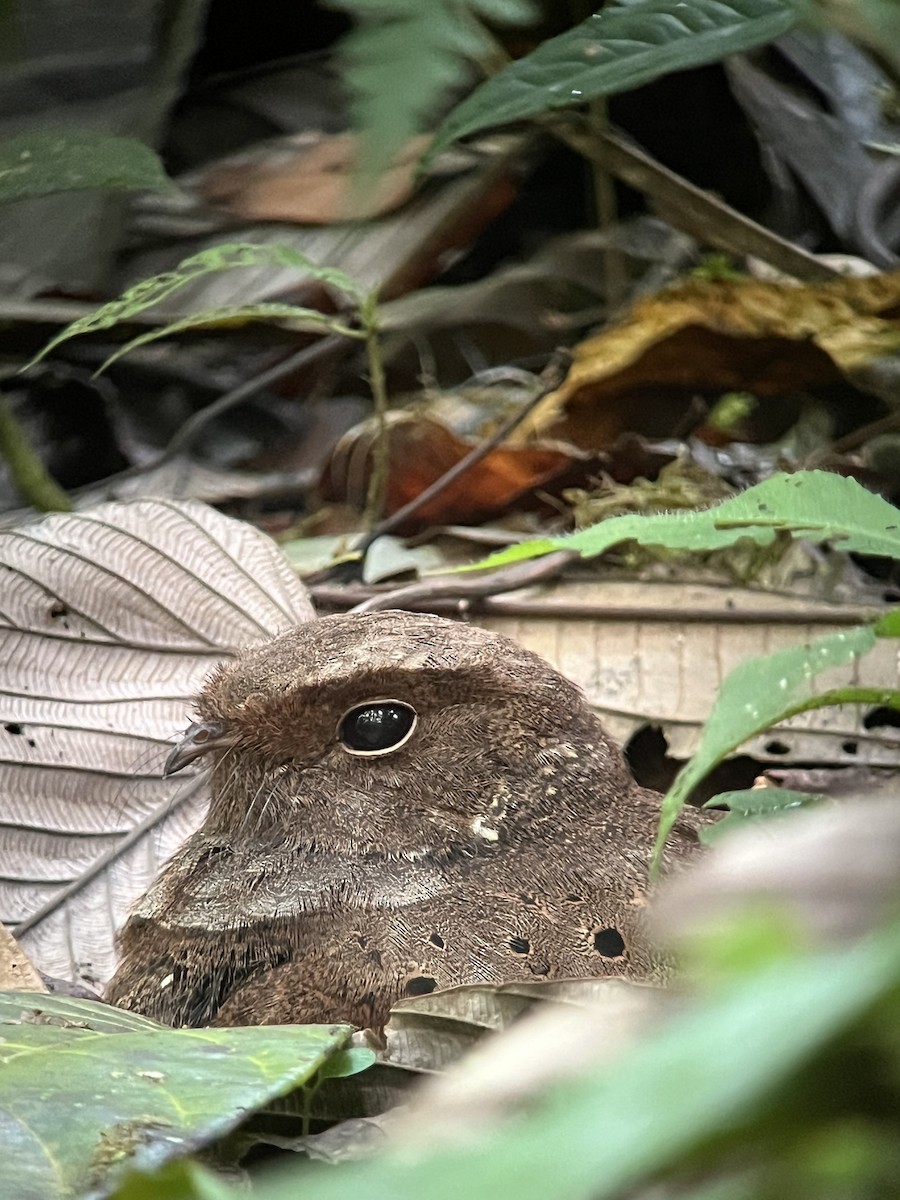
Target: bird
399	802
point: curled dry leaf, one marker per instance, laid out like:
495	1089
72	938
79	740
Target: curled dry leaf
715	336
581	1024
109	622
830	871
421	451
434	1033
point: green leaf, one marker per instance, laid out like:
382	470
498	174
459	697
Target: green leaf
754	804
76	1104
618	48
42	164
348	1062
762	691
429	47
59	1020
704	1074
810	504
229	256
183	1180
308	320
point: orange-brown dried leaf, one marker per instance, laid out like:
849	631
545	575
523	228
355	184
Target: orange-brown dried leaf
714	336
421	451
310	181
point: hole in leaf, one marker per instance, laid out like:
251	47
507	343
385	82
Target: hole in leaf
519	945
776	747
437	940
880	718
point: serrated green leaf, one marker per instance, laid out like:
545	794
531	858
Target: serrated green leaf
618	48
430	47
226	257
815	505
77	1104
307	320
43	164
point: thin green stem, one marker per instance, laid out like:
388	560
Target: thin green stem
28	473
689	776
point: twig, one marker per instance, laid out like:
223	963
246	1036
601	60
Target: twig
189	430
471	586
380	454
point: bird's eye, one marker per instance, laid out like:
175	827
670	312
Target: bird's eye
377	727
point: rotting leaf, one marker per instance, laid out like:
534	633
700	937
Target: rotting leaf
16	969
308	184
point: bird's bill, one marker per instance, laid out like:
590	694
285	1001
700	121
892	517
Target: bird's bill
202	737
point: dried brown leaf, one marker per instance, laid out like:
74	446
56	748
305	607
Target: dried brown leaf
421	451
714	336
308	179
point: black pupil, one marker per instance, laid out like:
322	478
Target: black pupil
376	726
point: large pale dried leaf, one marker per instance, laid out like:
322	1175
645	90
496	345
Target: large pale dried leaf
714	336
427	1035
110	619
653	654
596	1022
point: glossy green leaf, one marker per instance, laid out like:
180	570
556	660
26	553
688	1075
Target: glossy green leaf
31	1020
76	1104
42	164
815	505
618	48
430	47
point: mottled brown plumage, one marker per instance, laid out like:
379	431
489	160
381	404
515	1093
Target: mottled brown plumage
502	838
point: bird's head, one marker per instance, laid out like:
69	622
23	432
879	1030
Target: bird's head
396	734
